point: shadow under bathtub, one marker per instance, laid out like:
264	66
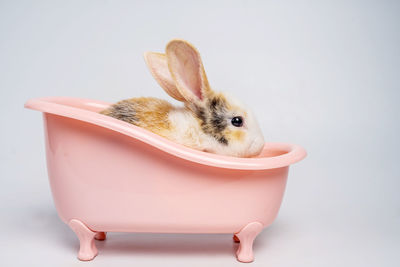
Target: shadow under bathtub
46	225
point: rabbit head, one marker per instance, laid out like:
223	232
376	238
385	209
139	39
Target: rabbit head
230	127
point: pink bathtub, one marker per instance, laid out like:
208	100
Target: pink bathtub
109	176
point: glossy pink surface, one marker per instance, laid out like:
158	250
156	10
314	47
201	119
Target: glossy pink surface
114	176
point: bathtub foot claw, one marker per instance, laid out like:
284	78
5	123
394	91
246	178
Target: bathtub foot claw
100	236
87	250
236	239
246	237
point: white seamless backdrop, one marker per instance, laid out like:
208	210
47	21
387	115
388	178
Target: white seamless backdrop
323	74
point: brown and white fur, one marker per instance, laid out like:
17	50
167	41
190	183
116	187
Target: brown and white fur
205	121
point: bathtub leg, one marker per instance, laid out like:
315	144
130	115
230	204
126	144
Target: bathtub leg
87	250
246	237
100	236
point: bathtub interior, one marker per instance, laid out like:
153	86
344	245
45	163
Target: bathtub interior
269	153
84	104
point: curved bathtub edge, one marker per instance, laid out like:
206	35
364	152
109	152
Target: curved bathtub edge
47	105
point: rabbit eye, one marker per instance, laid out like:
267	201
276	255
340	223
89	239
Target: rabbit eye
237	121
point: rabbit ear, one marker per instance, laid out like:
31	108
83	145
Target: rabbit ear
187	70
157	64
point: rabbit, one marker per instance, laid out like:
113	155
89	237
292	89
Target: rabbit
209	121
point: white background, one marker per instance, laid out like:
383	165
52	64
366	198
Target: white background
323	74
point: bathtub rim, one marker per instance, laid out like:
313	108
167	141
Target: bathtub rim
294	152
